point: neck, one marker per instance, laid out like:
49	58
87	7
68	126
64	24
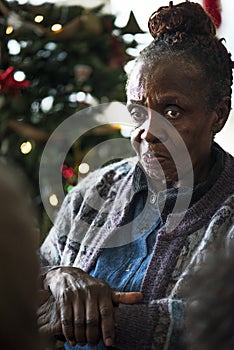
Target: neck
201	171
200	174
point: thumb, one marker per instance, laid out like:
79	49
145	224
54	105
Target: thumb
126	297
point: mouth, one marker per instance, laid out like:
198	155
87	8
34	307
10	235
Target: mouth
151	158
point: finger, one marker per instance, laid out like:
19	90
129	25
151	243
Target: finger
42	310
42	320
92	321
66	315
79	322
48	326
107	321
126	297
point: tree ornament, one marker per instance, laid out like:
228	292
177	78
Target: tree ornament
70	176
213	7
132	27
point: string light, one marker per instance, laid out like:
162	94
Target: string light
13	47
9	30
38	18
84	168
19	75
57	27
72	97
53	199
26	147
80	96
47	103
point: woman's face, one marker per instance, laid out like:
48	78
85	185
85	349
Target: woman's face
173	125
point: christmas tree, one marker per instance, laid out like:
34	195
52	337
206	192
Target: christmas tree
55	61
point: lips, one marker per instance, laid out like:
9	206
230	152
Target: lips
151	158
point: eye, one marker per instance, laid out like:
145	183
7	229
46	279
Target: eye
138	114
172	113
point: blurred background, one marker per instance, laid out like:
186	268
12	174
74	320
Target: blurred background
59	57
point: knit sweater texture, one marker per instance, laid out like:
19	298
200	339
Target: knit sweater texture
87	223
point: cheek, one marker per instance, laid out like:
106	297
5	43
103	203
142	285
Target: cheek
197	139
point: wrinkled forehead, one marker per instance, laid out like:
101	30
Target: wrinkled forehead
164	74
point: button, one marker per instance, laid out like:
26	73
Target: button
153	198
144	228
128	268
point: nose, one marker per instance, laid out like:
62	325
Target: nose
154	128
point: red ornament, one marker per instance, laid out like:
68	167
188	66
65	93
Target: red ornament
70	176
69	172
213	7
9	85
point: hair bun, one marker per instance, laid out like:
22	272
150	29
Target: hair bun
186	18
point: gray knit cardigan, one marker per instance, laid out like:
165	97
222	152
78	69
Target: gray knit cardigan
89	216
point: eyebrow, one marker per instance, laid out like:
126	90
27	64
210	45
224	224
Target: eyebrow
167	98
141	102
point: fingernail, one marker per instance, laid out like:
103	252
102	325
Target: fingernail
108	342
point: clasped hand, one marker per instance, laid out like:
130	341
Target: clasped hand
83	307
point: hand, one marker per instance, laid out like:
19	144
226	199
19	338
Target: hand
86	305
48	320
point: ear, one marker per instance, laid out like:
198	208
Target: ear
222	111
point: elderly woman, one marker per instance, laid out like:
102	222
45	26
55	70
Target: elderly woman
128	237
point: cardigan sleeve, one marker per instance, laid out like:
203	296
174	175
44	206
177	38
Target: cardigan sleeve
52	248
76	206
81	204
156	325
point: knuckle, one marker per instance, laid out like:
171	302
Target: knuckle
92	322
79	322
66	323
103	286
105	312
67	295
